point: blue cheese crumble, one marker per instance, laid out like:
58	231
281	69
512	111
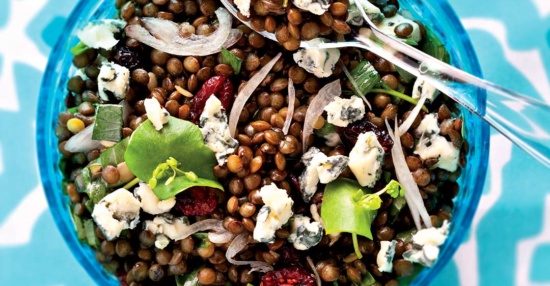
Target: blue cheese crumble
155	113
422	88
275	212
150	203
384	259
100	34
317	7
426	243
433	145
166	227
113	82
116	212
355	17
319	62
319	168
215	130
304	234
243	6
343	111
366	159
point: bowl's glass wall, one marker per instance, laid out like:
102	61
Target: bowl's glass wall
53	92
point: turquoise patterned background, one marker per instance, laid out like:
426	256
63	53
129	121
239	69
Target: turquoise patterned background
509	242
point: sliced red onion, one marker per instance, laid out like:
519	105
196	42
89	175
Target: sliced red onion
315	109
412	116
164	35
405	178
246	92
355	86
208	224
290	110
237	245
312	266
82	141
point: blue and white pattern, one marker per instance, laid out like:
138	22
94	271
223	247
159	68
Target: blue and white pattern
509	242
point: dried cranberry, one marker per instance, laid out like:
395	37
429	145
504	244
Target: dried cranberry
290	276
350	133
197	201
220	86
121	275
288	255
294	181
128	57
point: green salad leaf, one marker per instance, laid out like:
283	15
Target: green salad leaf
79	49
179	140
233	61
434	47
114	155
341	212
108	123
365	76
91	237
326	130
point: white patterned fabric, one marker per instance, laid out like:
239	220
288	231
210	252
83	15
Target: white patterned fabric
509	241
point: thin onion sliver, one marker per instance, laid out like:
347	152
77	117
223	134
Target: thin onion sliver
312	266
82	141
208	224
237	245
246	92
412	116
164	35
355	86
290	110
316	108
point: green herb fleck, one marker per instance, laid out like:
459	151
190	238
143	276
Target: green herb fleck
189	279
79	49
177	148
79	227
108	123
411	42
373	201
233	61
114	155
405	75
91	237
327	129
365	76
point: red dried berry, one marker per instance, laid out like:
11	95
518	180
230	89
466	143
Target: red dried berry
220	86
288	255
350	133
197	201
121	275
290	276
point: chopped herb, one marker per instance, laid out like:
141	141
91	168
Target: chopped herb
233	61
73	110
96	190
405	75
114	155
108	123
398	95
368	280
189	279
395	208
434	47
327	129
177	148
411	42
406	236
77	221
79	49
373	201
203	238
365	76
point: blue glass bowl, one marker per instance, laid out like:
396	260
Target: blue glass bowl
436	14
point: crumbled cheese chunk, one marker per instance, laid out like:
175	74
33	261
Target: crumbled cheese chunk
276	211
100	34
155	113
428	125
243	6
304	234
319	168
317	7
116	212
426	243
215	130
319	62
433	145
332	139
166	226
355	17
343	111
387	26
113	82
422	88
150	203
366	159
385	256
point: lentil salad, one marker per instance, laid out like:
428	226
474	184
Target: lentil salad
265	160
